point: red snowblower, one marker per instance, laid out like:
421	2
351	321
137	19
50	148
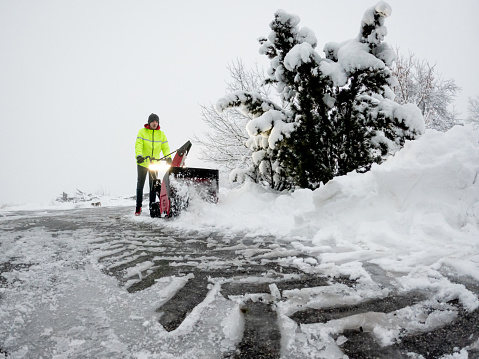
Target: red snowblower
181	184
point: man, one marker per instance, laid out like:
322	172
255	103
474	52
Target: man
151	141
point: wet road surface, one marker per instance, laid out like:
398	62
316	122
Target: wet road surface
263	274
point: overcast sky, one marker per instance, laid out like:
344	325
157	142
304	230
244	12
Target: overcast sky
78	79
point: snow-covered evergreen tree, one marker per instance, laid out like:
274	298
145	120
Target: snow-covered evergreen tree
368	124
295	71
340	114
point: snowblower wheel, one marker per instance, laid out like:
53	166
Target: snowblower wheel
155	210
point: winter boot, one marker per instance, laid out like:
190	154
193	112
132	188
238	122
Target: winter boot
138	211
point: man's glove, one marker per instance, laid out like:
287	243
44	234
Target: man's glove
169	160
140	159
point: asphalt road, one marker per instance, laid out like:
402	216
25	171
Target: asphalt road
260	273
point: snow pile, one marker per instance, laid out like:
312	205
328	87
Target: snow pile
421	207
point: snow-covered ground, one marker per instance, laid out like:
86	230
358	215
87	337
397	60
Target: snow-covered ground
416	217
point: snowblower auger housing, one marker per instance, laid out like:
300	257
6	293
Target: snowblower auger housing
181	183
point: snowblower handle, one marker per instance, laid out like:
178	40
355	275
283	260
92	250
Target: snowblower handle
159	159
153	159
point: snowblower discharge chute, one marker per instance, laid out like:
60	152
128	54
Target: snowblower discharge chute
181	183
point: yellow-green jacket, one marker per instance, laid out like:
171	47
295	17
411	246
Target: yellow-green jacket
151	143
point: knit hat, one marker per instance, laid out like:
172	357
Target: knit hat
153	117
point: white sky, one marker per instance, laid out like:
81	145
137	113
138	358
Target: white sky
78	79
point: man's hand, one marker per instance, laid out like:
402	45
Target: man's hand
140	159
169	160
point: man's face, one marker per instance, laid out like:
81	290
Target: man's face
154	125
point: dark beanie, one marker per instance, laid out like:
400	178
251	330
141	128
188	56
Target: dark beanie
153	117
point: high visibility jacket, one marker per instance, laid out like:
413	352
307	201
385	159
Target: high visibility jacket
151	143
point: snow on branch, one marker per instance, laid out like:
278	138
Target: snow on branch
273	125
354	55
300	54
372	29
253	102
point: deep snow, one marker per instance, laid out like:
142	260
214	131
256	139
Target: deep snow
416	216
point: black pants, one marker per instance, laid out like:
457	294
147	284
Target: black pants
142	173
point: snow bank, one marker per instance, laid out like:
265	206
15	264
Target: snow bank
420	207
431	176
